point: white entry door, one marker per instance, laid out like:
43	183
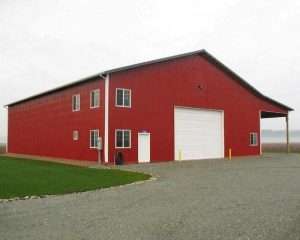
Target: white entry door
144	147
199	134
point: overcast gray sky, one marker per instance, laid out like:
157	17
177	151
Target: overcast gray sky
44	44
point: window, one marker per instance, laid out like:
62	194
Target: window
253	139
95	98
75	135
123	97
75	102
94	134
123	138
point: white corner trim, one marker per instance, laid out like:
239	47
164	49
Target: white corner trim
260	144
106	118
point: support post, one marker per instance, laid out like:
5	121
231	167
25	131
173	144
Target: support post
287	134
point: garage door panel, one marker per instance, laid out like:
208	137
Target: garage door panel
198	134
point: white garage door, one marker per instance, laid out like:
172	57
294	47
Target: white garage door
198	134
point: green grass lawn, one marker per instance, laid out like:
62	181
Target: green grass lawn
23	177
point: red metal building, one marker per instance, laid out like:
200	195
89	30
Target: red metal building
188	106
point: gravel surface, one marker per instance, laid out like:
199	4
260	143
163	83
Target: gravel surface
246	198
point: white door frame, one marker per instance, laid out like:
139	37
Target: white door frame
149	135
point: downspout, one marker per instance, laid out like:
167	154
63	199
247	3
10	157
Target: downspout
106	118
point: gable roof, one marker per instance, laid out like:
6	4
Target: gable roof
201	52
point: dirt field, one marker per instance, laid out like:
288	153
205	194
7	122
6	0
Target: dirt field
2	148
280	147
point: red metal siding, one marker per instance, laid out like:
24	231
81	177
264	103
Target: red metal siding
44	126
192	82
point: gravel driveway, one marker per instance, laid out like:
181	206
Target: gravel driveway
246	198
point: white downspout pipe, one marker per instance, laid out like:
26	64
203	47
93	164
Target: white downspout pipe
106	118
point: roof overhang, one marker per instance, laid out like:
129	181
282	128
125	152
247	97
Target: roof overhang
267	114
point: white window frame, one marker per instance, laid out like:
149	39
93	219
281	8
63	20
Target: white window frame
122	130
90	137
254	136
77	98
75	135
91	98
116	98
